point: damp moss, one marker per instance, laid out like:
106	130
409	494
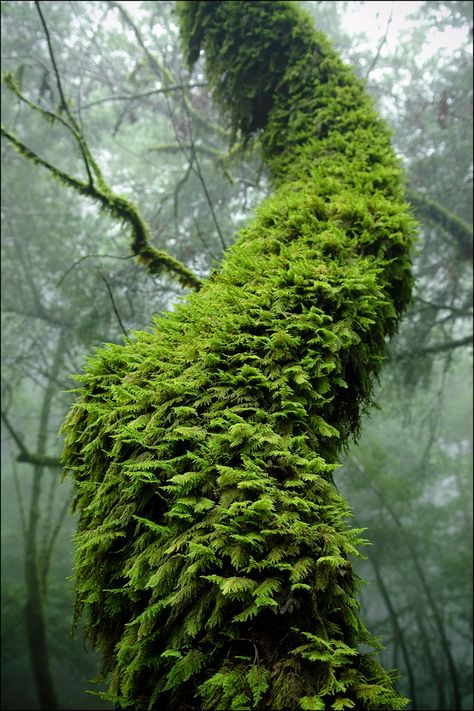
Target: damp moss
213	552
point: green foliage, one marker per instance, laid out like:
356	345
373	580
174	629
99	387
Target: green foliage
213	549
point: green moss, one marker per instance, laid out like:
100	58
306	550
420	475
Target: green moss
213	551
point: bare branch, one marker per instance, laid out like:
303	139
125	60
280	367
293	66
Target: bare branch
44	461
19	500
15	436
198	172
444	307
206	150
114	306
382	42
133	97
437	348
89	256
25	455
53	61
193	159
162	72
64	105
178	187
446	346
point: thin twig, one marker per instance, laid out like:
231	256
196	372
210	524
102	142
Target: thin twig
20	500
113	302
132	97
53	61
198	172
193	159
90	256
64	104
201	237
177	190
384	39
16	437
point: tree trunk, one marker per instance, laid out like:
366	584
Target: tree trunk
436	675
35	596
437	617
397	630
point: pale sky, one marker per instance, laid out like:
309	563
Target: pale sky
373	17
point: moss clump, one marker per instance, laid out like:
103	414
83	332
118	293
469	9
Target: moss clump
213	551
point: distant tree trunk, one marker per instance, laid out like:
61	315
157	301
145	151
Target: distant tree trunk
35	617
437	616
436	675
397	630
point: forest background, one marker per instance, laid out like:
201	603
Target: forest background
109	79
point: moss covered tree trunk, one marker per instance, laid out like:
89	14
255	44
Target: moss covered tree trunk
213	550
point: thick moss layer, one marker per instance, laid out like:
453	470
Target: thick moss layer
213	549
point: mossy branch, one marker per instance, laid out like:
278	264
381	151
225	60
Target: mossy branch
51	117
155	261
202	453
433	211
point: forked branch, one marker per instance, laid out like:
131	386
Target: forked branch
153	260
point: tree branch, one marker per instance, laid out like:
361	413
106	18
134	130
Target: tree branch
65	107
444	307
206	150
44	461
432	210
132	97
439	347
89	256
20	500
43	315
193	159
25	455
163	72
379	48
17	439
114	306
154	260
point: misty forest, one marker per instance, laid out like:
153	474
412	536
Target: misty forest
236	355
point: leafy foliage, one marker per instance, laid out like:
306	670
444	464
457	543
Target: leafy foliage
202	452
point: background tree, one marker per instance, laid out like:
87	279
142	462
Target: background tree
51	239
